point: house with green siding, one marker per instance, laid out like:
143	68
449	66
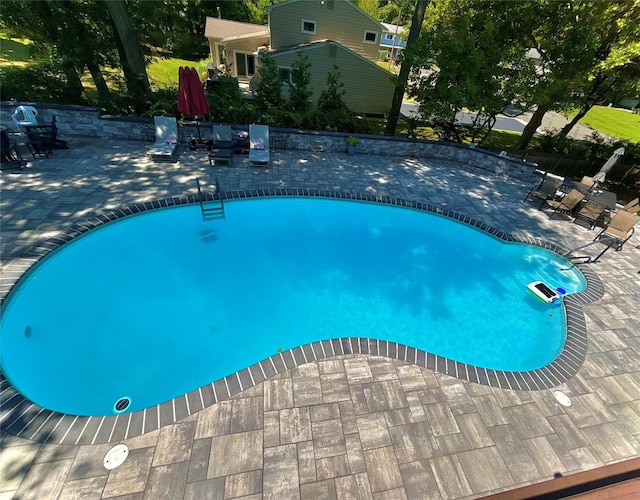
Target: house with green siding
329	32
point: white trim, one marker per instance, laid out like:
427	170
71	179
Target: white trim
369	32
315	26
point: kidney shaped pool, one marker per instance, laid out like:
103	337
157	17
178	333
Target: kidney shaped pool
155	305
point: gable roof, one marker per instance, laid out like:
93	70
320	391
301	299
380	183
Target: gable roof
392	28
224	28
316	44
348	2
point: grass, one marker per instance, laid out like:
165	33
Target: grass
618	123
163	72
16	52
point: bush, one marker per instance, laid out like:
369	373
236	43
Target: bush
227	103
36	83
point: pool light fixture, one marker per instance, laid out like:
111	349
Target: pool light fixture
562	398
116	456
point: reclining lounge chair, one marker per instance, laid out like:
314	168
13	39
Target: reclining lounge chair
620	229
546	189
567	205
164	147
222	147
259	144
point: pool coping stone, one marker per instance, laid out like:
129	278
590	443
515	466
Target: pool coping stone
21	417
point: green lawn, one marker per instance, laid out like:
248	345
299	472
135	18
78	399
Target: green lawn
16	52
164	72
615	122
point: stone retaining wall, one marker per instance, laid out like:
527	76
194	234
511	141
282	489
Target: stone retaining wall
86	121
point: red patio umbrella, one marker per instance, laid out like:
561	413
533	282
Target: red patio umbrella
191	99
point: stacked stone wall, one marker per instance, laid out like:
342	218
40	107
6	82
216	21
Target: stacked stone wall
86	121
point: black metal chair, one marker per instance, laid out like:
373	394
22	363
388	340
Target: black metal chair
9	155
44	138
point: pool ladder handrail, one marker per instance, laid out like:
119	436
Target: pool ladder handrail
610	240
211	212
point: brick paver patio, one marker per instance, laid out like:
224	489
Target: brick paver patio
350	426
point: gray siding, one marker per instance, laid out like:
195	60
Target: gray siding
344	24
369	89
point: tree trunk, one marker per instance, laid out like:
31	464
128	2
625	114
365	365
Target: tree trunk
73	81
405	68
101	85
138	84
531	127
567	128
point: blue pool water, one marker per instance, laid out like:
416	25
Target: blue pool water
155	305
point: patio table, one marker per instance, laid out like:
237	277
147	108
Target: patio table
601	196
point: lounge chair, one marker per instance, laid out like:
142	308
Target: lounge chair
568	204
588	183
546	189
620	229
259	144
166	143
590	213
222	136
633	206
222	146
24	115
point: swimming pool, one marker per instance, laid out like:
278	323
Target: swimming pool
156	305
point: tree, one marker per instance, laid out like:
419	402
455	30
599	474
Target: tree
268	97
330	99
299	90
72	32
574	40
473	62
257	10
405	68
138	81
615	77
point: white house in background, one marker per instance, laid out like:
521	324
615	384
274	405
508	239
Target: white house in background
392	40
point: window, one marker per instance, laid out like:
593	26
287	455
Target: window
308	26
388	36
245	64
285	75
370	37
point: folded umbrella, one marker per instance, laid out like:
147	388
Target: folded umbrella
191	99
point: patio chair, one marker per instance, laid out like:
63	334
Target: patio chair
567	205
166	143
620	229
259	144
546	189
222	136
9	155
590	213
24	115
589	183
44	138
222	146
633	206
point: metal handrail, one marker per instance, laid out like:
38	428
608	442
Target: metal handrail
210	212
